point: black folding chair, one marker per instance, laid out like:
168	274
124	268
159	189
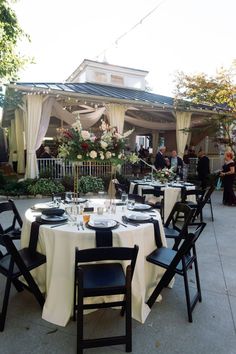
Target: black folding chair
104	279
15	264
7	209
178	262
137	198
157	192
206	199
61	195
173	228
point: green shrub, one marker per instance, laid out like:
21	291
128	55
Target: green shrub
47	173
16	188
90	184
3	180
45	187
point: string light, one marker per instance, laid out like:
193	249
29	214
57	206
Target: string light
140	22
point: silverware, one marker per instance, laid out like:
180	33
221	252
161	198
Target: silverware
130	223
64	223
120	223
82	224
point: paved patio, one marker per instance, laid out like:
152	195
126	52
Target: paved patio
167	329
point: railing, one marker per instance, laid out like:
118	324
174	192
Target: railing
58	168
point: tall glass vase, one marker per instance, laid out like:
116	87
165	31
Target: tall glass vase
76	180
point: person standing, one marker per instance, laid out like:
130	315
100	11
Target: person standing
228	175
176	163
160	161
203	168
46	154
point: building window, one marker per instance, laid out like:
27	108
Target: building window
100	77
117	80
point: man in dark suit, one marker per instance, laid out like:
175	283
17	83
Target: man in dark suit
160	161
176	163
203	168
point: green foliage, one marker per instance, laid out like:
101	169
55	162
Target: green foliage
3	180
10	34
16	188
47	173
45	187
90	184
217	92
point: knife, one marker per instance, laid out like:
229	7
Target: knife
64	223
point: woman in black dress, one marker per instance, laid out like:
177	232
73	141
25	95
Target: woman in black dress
228	175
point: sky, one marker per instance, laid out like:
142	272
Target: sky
192	36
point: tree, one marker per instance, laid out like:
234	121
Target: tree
10	34
216	92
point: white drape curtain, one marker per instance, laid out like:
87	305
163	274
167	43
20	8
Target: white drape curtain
20	140
151	125
89	119
44	120
116	115
36	124
12	139
62	114
155	139
183	121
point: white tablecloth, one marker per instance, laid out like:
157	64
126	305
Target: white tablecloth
56	277
171	195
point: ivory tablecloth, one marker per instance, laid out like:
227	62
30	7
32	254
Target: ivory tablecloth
56	277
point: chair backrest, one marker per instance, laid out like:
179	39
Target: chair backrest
157	192
107	254
186	246
174	214
199	193
6	240
137	198
207	195
60	195
16	218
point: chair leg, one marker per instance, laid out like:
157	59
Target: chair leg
75	303
165	280
80	324
5	304
33	287
187	295
212	217
128	318
199	294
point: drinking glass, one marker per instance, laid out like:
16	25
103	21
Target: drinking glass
86	218
57	201
124	198
131	203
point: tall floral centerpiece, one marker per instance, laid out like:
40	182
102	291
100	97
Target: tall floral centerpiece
78	145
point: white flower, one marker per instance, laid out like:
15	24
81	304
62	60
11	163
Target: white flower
79	157
108	155
133	158
126	134
103	125
93	154
103	144
77	125
85	134
118	136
